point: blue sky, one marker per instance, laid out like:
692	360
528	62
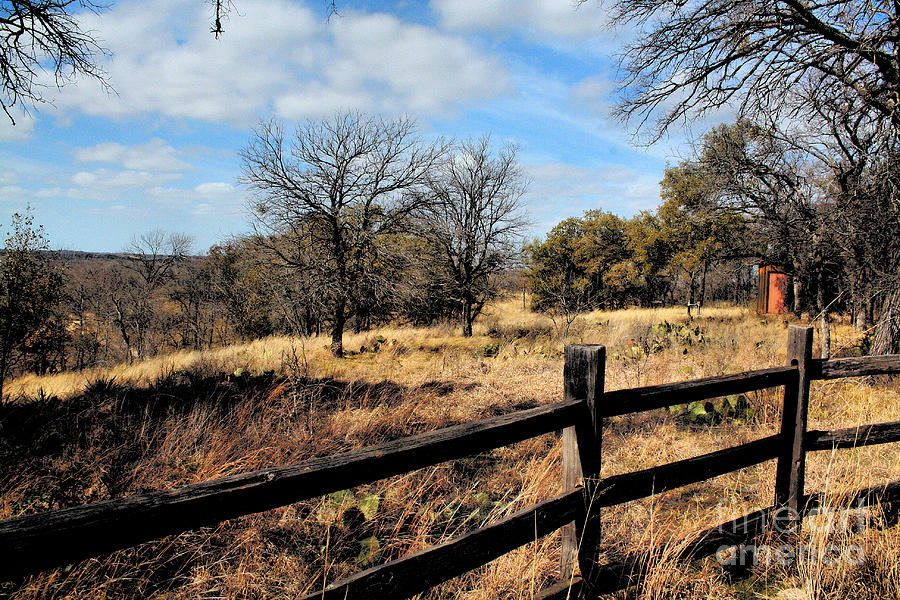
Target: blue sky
162	151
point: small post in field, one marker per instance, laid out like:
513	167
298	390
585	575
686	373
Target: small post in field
792	459
583	373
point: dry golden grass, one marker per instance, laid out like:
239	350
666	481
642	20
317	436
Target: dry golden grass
188	417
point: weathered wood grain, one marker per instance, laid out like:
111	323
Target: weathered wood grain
853	437
791	469
568	589
34	542
884	364
31	543
623	402
641	484
583	376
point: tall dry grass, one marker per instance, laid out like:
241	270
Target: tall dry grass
193	416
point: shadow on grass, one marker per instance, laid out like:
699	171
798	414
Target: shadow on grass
58	453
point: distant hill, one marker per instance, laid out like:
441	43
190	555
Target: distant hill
79	255
83	256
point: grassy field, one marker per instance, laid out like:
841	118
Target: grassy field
79	437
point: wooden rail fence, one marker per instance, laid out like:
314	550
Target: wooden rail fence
40	541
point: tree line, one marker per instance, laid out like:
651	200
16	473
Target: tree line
371	220
677	253
748	197
812	161
355	221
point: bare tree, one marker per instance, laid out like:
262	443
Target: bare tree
38	36
153	255
334	189
763	56
475	219
566	299
134	297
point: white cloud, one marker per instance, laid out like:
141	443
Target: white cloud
105	179
278	55
551	17
595	95
560	190
214	198
52	192
12	193
421	69
214	188
155	155
319	100
21	131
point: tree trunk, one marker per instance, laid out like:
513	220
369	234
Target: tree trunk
691	295
127	339
859	322
798	291
858	305
3	366
825	327
337	329
702	298
738	283
887	330
467	318
308	325
692	289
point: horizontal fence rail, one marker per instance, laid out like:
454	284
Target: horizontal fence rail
422	570
619	489
835	368
623	402
788	447
615	576
870	496
853	437
34	542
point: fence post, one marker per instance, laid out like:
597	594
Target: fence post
583	374
792	459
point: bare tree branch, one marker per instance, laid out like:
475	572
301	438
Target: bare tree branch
44	35
336	188
692	58
475	219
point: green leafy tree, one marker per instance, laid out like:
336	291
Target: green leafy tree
599	259
559	284
699	234
239	287
30	292
642	277
602	245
